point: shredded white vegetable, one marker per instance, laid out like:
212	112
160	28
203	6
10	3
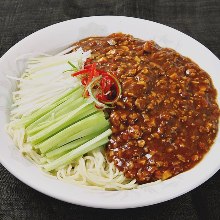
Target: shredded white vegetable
44	81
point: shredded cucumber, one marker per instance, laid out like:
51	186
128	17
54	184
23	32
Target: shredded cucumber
75	153
25	121
89	110
56	127
55	140
70	146
71	102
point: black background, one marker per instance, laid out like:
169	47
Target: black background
19	18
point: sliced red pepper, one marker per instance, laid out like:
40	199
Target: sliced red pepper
84	81
98	107
80	72
106	87
108	84
91	73
88	66
88	61
99	96
86	94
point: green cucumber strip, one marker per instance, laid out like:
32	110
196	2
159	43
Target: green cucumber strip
82	115
102	125
75	153
70	146
53	116
27	120
63	135
63	108
82	133
56	127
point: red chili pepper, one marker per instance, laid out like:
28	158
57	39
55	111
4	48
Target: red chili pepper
99	96
86	94
88	61
105	89
96	73
98	107
104	99
91	73
103	83
108	84
84	81
101	72
88	66
80	72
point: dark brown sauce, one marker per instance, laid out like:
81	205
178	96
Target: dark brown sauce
167	117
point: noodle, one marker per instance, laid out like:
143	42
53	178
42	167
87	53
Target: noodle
91	170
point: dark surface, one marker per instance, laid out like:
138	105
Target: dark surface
19	18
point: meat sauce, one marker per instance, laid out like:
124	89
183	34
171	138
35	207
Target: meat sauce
167	116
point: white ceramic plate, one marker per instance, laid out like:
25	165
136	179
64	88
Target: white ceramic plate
63	34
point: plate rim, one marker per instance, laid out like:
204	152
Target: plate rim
92	204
